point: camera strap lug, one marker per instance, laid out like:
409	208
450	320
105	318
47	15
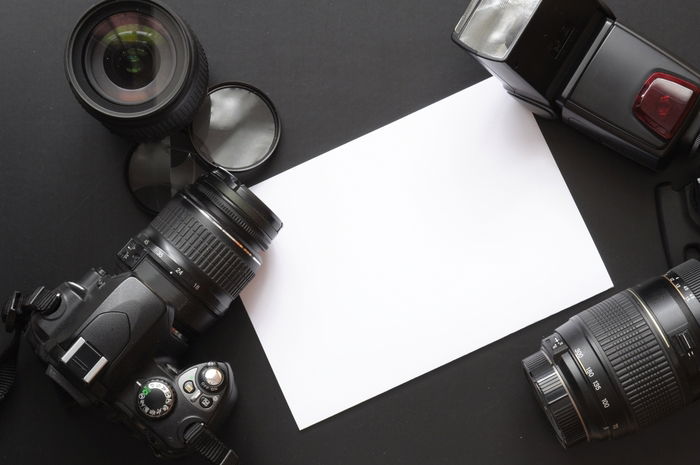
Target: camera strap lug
202	440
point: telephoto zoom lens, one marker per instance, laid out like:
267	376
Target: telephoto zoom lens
203	248
137	67
622	364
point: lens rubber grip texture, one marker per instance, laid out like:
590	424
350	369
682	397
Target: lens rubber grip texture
640	364
232	214
219	260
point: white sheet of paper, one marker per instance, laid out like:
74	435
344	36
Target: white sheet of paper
412	246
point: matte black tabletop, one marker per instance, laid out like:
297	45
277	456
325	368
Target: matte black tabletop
335	70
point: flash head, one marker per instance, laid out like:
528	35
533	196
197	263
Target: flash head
574	61
492	27
532	46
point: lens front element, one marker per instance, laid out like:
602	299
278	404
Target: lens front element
130	58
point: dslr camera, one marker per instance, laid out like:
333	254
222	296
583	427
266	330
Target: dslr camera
114	339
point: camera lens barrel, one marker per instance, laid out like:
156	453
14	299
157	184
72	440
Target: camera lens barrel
624	363
137	67
208	241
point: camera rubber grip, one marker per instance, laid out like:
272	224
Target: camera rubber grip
221	261
639	362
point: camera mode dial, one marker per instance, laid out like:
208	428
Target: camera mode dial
155	398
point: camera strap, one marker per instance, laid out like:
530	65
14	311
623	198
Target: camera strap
15	316
202	440
8	364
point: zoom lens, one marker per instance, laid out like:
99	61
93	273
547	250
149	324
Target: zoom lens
203	248
137	67
622	364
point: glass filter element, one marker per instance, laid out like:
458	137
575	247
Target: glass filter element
237	128
158	170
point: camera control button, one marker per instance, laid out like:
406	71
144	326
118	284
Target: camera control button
205	402
188	387
212	378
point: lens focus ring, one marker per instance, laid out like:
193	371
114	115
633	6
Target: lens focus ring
258	236
637	358
220	261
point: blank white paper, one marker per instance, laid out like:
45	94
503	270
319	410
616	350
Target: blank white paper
415	245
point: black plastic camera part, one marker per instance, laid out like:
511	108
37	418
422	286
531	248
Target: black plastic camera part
624	363
678	214
574	61
114	339
137	67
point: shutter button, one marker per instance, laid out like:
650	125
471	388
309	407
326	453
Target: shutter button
212	378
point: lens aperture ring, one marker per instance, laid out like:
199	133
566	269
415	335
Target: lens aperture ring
555	398
639	362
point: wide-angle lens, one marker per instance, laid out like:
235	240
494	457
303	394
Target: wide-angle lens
137	67
624	363
203	248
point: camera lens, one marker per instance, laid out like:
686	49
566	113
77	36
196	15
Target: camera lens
130	55
624	363
203	248
137	67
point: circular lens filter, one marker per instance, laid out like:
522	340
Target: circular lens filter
158	170
237	128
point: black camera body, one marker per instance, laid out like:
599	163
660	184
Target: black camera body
114	339
574	61
110	341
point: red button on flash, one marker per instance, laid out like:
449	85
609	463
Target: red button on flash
664	102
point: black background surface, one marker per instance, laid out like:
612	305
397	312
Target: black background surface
335	70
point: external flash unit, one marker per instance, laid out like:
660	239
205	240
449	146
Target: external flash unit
572	60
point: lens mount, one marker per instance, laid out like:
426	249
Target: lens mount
137	67
553	395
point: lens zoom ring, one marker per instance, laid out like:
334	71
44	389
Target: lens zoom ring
219	261
639	362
